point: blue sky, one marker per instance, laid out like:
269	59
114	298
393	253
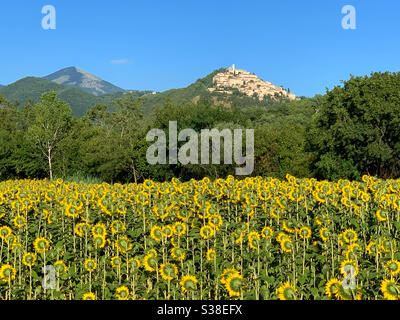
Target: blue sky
300	45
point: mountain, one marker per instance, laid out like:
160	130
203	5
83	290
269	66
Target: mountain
74	77
32	88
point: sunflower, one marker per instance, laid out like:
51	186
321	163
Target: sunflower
206	232
253	238
349	266
60	266
288	226
81	229
5	232
89	296
156	233
349	235
122	293
167	231
168	271
233	284
188	283
7	272
287	245
287	291
123	244
393	267
29	259
372	248
90	265
387	245
149	262
267	232
99	241
215	221
305	232
226	273
211	255
324	234
117	226
390	290
152	252
116	262
332	287
179	228
382	215
19	221
41	245
99	229
281	236
134	263
178	253
72	211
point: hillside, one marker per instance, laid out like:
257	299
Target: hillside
204	89
75	77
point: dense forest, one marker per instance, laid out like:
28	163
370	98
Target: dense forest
351	130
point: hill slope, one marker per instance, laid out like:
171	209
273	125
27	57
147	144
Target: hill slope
200	90
75	77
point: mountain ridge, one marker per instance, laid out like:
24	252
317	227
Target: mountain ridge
75	77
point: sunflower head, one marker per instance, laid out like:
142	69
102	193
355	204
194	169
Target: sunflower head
305	232
393	267
41	245
349	235
90	265
233	284
156	233
116	262
287	245
89	296
206	232
287	291
390	290
188	283
332	287
123	244
7	272
122	293
60	266
211	255
168	271
150	262
29	259
178	253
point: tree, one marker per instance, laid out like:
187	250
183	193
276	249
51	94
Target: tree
357	129
51	121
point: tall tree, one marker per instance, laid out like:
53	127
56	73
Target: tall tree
51	121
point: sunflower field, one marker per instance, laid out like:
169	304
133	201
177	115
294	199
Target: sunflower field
256	238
